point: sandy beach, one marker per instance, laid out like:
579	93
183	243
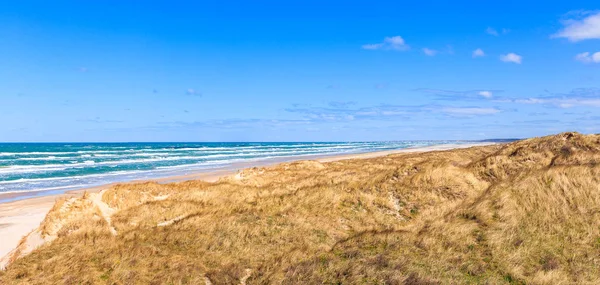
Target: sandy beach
20	217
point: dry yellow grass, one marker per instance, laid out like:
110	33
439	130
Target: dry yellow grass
522	213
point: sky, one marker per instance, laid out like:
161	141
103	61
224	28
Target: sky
123	71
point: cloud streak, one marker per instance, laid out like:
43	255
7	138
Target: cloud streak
389	112
429	52
192	92
341	104
98	120
491	31
494	32
470	111
454	95
234	123
389	43
581	97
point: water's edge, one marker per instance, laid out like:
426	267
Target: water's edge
8	197
182	172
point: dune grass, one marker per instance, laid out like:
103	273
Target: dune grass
527	212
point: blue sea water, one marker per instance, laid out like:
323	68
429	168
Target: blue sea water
57	167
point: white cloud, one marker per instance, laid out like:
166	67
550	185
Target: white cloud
581	29
585	97
372	46
470	111
512	57
478	53
429	52
389	43
388	112
491	31
456	95
193	92
494	32
562	102
486	94
587	57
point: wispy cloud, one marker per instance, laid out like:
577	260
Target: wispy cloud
583	25
486	94
562	102
98	120
380	85
233	123
587	57
536	114
389	112
581	97
494	32
429	52
330	114
588	118
341	104
478	53
511	57
448	49
454	95
536	122
330	118
470	111
193	92
389	43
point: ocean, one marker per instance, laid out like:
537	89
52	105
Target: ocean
57	167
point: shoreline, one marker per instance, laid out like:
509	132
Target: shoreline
15	196
21	216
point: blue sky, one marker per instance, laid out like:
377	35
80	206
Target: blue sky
297	70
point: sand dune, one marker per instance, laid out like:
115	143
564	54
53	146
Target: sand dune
527	212
20	218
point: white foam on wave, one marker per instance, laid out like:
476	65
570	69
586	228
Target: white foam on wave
75	177
117	150
64	187
33	153
197	159
259	151
20	169
51	157
16	169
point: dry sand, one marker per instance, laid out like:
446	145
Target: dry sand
19	218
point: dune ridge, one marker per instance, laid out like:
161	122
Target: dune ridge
526	212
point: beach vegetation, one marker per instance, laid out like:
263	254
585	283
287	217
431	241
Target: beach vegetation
526	212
